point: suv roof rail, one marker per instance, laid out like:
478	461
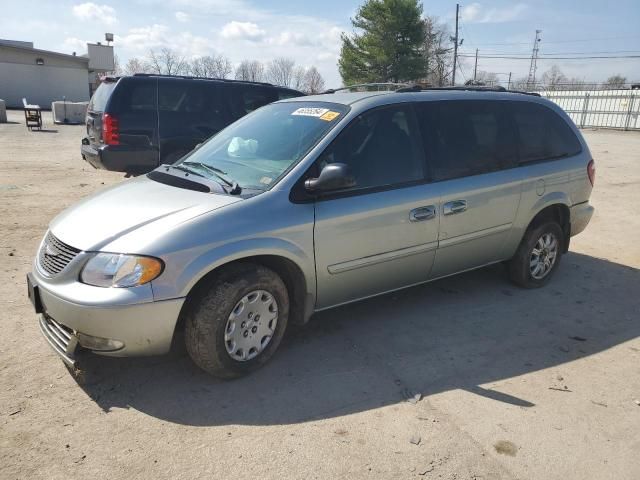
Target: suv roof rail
190	77
471	88
364	85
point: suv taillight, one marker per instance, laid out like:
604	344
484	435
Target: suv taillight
110	130
591	171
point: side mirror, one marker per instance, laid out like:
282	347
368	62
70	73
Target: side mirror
334	176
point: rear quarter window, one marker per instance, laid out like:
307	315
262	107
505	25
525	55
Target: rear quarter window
131	96
542	134
101	97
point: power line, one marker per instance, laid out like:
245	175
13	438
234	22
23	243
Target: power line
561	53
558	41
551	58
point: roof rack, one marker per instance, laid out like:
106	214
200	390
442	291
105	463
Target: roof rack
367	85
189	77
470	88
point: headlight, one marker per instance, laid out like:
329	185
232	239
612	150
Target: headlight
120	270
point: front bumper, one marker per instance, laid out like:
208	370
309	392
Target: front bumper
143	329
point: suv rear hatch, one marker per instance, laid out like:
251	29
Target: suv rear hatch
96	109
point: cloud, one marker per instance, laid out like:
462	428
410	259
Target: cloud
92	11
242	30
476	13
182	17
142	39
76	45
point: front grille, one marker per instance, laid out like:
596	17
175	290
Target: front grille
55	255
61	338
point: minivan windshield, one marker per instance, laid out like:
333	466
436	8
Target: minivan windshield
258	149
101	96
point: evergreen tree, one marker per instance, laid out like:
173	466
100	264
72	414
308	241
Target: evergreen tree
388	44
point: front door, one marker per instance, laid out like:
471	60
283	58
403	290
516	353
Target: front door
382	234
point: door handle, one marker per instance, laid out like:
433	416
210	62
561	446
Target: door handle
456	206
422	213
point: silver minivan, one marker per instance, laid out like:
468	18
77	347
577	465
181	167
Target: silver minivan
306	204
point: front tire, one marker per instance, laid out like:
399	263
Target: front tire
235	323
538	256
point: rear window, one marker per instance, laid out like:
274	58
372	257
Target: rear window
101	96
542	134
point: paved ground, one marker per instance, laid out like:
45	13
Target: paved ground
516	384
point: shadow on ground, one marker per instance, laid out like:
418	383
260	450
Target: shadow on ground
457	333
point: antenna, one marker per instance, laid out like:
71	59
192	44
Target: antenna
531	79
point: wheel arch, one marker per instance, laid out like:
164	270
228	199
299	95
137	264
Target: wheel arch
299	286
557	211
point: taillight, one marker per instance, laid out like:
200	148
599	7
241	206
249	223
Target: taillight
591	171
110	130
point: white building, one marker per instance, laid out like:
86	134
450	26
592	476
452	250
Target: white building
43	76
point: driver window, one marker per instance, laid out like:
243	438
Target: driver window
380	147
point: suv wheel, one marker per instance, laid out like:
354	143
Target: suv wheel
236	322
538	256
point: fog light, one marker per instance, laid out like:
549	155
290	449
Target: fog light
98	343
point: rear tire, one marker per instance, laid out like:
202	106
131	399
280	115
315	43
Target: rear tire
538	256
235	323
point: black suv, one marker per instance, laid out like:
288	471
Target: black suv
138	122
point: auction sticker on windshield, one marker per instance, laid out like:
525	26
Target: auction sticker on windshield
311	112
329	116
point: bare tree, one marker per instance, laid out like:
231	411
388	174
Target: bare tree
520	84
484	78
298	78
438	52
553	78
615	82
575	83
216	66
280	71
167	62
250	71
135	65
313	81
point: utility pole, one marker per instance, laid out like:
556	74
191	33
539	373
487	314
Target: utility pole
531	79
475	68
455	47
509	82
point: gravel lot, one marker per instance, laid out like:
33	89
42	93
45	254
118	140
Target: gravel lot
519	384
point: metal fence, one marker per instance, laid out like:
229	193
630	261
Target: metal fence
618	109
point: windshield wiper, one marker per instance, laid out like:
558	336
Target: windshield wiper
234	187
187	170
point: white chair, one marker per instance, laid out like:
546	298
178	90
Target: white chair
32	115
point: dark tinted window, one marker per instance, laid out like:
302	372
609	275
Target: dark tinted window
134	95
181	96
284	93
101	96
381	148
465	138
248	98
542	134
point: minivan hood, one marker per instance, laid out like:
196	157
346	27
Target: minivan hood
101	218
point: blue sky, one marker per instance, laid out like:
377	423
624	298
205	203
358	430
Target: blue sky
309	32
